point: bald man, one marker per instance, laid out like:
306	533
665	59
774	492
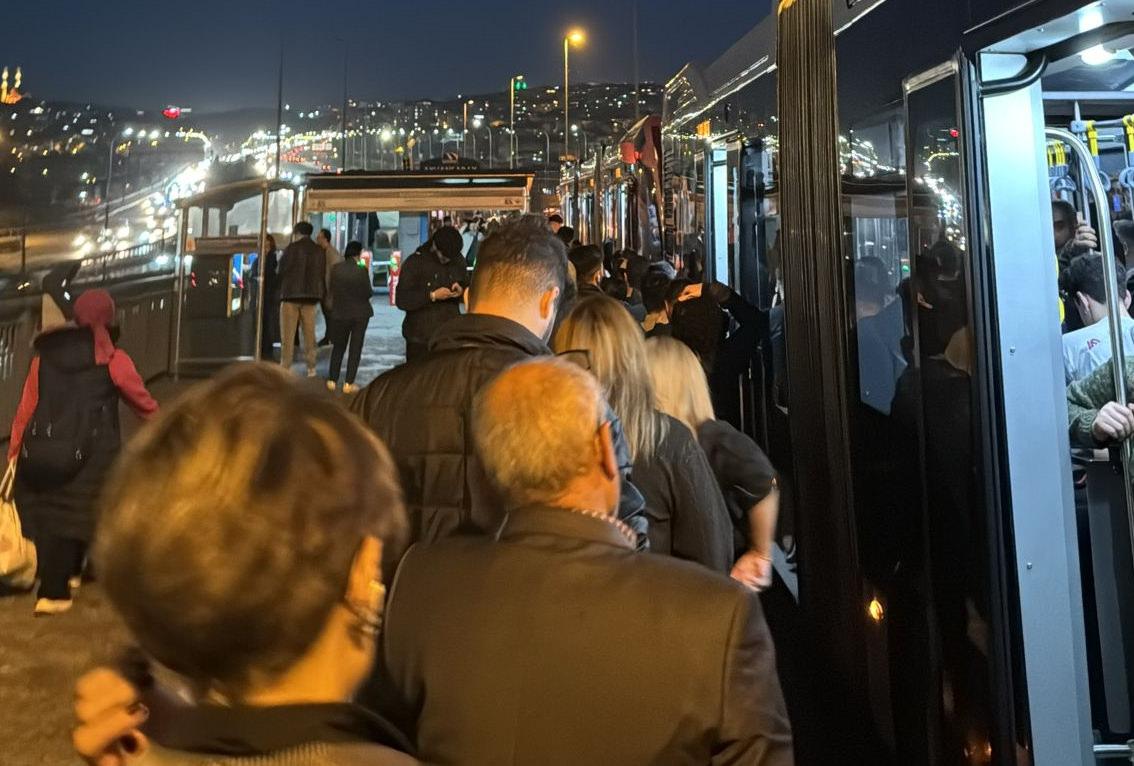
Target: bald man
557	643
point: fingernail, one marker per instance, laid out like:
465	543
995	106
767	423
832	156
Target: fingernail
139	709
129	744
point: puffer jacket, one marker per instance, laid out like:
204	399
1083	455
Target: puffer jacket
423	411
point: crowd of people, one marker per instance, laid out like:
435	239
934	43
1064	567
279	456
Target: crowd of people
539	540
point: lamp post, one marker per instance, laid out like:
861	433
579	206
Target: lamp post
110	173
465	134
517	81
574	37
547	152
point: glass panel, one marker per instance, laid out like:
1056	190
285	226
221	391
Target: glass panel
959	552
885	427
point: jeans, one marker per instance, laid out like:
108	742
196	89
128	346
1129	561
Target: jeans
340	331
302	314
60	559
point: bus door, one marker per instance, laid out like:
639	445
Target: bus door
1069	506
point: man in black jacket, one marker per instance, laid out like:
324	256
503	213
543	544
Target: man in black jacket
422	408
430	288
557	644
303	284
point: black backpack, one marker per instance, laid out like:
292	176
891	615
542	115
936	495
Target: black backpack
57	441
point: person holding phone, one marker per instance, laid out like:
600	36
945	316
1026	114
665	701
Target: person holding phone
430	289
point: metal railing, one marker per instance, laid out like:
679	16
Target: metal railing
141	279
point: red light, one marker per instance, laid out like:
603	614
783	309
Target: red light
171	112
954	133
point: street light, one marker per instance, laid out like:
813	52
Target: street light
110	174
574	37
465	134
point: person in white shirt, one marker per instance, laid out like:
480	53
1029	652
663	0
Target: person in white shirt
1088	348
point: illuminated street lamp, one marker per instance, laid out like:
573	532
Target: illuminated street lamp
465	134
574	37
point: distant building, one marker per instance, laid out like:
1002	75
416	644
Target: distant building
13	95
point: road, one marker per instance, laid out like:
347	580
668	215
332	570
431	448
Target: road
51	245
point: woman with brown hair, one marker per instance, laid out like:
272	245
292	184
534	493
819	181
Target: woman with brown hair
745	474
686	511
242	541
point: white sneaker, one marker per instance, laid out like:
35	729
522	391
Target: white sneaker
311	373
350	388
332	387
45	607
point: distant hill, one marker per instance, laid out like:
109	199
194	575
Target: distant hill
237	124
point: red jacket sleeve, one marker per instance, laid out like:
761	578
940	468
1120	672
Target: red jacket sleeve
130	384
24	412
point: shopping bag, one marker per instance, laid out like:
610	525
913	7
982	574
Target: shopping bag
17	553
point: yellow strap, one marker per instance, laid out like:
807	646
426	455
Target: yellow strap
1128	123
1062	307
1093	138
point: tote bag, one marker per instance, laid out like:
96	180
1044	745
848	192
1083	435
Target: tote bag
17	554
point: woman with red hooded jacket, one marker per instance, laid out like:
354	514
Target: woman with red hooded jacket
66	435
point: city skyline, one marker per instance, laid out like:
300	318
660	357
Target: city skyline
220	57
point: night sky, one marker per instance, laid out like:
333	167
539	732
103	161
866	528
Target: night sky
222	54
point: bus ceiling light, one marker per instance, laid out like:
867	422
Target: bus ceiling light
1097	56
1091	18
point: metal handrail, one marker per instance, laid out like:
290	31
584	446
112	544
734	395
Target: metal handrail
1089	174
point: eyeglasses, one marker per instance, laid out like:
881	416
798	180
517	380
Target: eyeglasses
580	357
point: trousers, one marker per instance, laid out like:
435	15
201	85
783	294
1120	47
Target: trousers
340	333
303	315
60	559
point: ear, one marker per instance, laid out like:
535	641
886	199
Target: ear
1083	303
547	302
604	445
365	571
1126	299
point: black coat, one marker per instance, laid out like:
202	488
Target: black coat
67	370
422	410
302	272
687	512
351	291
558	645
421	274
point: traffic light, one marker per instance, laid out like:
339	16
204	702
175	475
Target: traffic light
521	85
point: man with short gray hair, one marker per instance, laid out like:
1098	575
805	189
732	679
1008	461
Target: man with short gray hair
556	643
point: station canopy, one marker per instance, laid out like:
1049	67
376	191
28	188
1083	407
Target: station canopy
432	188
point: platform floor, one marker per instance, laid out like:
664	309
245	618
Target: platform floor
40	659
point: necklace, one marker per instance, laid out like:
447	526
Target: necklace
621	526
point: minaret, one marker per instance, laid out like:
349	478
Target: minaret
4	86
19	80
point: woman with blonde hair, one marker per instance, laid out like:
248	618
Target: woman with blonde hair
745	474
686	511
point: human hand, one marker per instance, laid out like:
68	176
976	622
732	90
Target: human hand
108	715
441	294
1085	237
691	292
1114	423
753	570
